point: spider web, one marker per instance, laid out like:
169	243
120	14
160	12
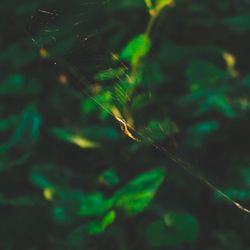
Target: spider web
75	53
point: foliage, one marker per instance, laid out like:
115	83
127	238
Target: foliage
102	103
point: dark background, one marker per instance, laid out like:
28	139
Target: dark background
70	178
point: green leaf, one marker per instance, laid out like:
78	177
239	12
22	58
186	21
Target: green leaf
94	204
197	134
174	229
109	178
75	139
202	74
67	204
98	227
17	85
158	130
138	194
40	180
149	4
28	130
160	4
94	228
136	49
12	84
240	23
108	219
221	103
103	100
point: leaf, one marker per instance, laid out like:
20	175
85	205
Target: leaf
94	228
136	49
19	147
240	23
160	4
174	229
138	194
202	74
28	131
49	176
108	219
109	178
149	4
221	103
12	84
98	227
68	204
158	130
103	100
41	181
94	204
18	85
75	139
197	134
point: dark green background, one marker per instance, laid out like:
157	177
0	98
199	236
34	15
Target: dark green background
113	192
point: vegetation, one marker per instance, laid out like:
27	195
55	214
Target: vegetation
125	124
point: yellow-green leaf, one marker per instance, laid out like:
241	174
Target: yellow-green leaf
74	138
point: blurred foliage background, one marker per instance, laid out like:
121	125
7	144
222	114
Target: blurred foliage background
96	97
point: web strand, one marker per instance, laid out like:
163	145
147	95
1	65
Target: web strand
138	137
129	130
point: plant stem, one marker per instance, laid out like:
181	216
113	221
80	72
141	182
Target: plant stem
151	23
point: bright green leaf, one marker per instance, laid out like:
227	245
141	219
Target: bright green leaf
108	219
98	227
138	194
136	49
94	204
